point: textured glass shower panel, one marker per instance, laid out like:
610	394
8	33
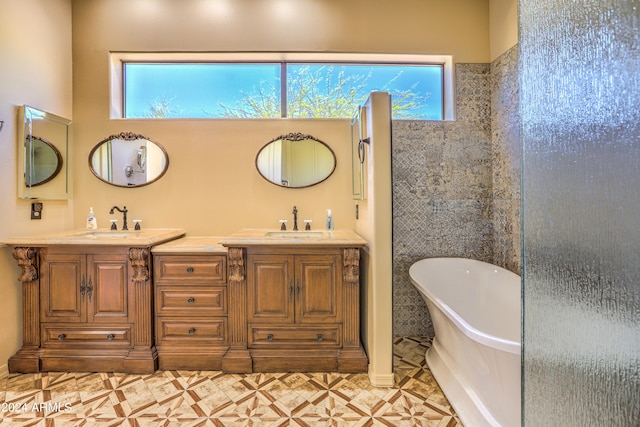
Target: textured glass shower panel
580	107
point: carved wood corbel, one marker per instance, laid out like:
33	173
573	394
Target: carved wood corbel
352	266
28	260
237	358
139	258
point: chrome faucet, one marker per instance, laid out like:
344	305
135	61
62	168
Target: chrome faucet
295	218
124	214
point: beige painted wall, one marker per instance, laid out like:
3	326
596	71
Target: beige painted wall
212	186
35	55
375	226
503	20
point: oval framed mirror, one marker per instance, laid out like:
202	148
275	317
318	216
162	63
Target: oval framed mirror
295	160
46	162
128	160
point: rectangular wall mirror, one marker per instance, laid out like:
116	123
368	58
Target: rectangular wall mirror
44	150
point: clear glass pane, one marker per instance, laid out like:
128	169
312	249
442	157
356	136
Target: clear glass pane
336	90
202	90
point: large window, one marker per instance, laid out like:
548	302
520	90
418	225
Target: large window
272	89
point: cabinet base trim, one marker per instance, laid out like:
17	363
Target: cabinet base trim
352	360
237	361
194	359
25	361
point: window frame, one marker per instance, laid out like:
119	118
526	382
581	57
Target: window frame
119	59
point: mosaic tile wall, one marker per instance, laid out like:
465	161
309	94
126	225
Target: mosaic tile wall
456	185
442	192
506	160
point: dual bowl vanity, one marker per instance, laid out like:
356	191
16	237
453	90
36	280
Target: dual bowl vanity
137	301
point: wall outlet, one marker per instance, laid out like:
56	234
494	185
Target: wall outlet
36	210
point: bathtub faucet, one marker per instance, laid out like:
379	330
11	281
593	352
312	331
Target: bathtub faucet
124	215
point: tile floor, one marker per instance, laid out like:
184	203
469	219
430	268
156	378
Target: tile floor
187	398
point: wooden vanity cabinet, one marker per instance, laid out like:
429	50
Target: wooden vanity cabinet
300	313
88	308
191	310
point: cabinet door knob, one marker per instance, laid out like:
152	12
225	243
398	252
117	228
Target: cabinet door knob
269	337
110	337
61	337
189	269
192	331
319	337
191	300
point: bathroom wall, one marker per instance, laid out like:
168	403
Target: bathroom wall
212	182
442	192
457	184
506	161
35	49
579	98
374	224
212	186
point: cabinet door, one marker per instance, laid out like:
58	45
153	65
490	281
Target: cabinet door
106	295
62	281
318	288
270	289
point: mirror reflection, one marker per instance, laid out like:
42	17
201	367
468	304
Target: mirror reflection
44	143
128	160
295	160
47	162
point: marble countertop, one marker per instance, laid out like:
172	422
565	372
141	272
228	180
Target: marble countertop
271	237
192	244
101	237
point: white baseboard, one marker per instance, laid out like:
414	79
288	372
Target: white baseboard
380	379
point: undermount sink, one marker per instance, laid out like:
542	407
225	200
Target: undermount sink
294	234
108	233
103	236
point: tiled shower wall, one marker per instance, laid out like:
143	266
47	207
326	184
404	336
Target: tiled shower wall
506	161
456	185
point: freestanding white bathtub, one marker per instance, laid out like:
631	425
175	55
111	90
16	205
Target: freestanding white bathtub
475	356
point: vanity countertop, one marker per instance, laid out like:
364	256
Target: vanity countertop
271	237
101	237
192	244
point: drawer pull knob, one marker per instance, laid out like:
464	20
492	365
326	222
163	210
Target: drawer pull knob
319	337
269	337
192	331
191	300
189	269
110	337
61	337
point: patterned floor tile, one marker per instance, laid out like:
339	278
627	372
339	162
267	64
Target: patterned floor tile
211	398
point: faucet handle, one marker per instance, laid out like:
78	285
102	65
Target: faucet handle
137	224
114	224
307	224
283	224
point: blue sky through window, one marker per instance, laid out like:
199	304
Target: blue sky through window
211	90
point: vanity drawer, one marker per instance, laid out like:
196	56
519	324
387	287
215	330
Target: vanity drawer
200	268
308	337
191	301
185	331
56	336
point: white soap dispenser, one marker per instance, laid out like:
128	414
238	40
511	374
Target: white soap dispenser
329	220
92	224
